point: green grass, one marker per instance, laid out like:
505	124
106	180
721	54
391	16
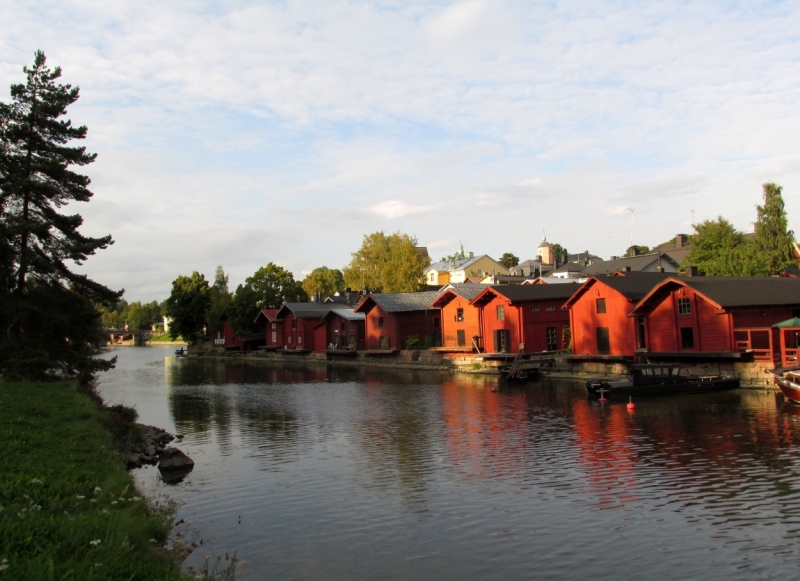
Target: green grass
68	508
165	338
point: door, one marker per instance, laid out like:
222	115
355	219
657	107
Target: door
502	339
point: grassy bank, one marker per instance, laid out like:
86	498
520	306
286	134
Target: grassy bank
68	508
166	338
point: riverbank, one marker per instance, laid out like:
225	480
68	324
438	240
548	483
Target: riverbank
68	507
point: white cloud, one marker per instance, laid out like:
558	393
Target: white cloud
391	209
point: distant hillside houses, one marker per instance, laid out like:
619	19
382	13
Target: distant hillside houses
460	267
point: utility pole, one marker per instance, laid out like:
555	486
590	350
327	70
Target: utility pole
631	211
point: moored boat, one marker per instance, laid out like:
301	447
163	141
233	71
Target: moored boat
788	381
660	379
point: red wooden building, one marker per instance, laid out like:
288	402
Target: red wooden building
720	316
523	318
272	328
598	314
299	320
394	317
232	342
340	329
460	321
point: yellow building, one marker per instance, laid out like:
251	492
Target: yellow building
455	269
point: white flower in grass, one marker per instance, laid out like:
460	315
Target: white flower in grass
4	565
92	500
153	541
95	542
113	502
98	564
97	489
36	481
80	496
105	511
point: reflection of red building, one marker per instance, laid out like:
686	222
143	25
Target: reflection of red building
392	318
339	329
598	314
524	318
720	315
460	321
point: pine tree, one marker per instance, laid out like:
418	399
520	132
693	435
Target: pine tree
774	242
37	243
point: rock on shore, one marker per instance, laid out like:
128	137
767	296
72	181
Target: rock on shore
153	449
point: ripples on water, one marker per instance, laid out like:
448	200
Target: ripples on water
323	473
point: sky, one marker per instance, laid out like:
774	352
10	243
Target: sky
242	133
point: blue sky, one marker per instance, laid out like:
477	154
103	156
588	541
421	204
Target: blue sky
240	133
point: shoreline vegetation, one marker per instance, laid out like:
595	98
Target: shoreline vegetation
68	507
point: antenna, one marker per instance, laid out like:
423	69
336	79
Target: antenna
631	211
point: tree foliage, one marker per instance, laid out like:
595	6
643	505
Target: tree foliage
37	243
268	288
560	253
324	280
219	300
636	250
389	264
509	260
719	249
188	305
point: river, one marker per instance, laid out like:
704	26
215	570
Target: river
336	473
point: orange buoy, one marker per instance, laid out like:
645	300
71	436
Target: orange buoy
630	405
602	396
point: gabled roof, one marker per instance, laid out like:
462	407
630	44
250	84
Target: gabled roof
633	285
271	315
634	263
732	291
398	302
346	314
570	267
465	291
528	292
460	264
309	310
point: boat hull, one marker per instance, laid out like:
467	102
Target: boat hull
670	388
789	389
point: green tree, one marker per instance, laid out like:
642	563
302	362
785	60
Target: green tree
719	249
560	254
143	316
637	250
389	264
324	280
188	306
37	243
268	288
774	242
509	260
220	298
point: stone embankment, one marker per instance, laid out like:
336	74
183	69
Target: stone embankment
152	449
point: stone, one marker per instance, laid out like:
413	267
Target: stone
174	459
134	461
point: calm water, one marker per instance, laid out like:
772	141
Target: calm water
326	473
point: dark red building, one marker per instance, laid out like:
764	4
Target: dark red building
460	325
718	315
340	329
392	318
524	318
232	342
299	320
272	328
598	314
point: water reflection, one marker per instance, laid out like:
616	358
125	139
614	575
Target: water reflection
352	473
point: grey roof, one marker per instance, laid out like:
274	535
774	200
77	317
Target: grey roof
310	310
461	264
581	256
535	292
634	285
346	314
746	291
635	263
465	291
545	244
570	267
400	302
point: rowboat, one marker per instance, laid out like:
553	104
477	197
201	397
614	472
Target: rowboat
659	379
788	381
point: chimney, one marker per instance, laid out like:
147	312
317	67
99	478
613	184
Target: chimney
347	295
681	240
627	269
634	251
472	255
691	271
614	258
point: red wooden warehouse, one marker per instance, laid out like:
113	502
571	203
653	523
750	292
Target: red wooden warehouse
598	314
232	342
340	329
299	320
392	318
718	315
523	318
272	327
460	321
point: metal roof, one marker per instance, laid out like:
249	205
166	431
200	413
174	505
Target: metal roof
310	310
534	292
634	263
401	302
746	291
465	291
346	314
633	285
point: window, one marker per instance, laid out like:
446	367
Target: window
552	339
294	323
274	337
601	306
289	339
684	306
501	313
380	322
432	279
459	315
436	322
551	309
344	326
300	338
603	340
534	309
274	326
687	338
462	337
480	272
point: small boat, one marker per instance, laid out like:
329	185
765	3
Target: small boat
659	379
788	381
180	352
